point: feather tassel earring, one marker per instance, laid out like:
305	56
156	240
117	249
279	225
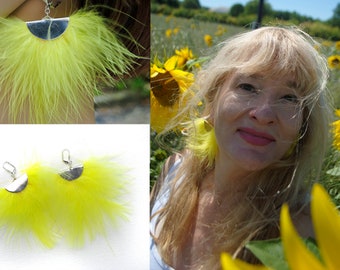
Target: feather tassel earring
89	198
202	140
25	207
50	68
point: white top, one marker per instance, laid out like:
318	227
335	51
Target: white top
156	262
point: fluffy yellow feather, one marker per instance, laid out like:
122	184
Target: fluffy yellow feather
88	205
52	78
27	213
202	140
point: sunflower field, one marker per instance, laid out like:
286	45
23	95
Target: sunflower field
179	48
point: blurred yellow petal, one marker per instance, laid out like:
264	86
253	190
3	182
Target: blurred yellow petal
326	220
160	115
296	253
337	113
171	63
168	33
228	263
208	40
156	70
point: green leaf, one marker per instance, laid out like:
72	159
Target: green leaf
312	246
335	171
270	253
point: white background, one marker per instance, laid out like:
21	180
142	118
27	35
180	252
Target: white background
126	247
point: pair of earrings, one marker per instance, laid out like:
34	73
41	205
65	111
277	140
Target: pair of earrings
76	203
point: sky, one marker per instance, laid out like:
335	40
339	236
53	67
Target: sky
317	9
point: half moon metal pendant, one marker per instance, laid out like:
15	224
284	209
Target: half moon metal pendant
48	28
18	185
72	173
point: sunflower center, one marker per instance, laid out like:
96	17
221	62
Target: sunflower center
165	89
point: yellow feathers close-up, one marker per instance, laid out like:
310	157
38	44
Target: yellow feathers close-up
52	208
43	77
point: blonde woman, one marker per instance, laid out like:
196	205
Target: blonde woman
258	142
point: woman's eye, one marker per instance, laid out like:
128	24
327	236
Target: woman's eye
247	87
291	98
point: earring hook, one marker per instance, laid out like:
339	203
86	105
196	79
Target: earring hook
10	168
19	183
73	172
66	158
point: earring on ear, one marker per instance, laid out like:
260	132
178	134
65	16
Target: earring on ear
63	59
89	197
202	140
25	205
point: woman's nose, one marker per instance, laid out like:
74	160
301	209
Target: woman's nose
263	113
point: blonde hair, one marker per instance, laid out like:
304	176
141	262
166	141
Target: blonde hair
270	51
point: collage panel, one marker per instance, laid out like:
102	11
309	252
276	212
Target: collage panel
74	197
244	134
74	62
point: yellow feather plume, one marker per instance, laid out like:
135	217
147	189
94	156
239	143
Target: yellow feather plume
86	206
202	140
49	79
27	213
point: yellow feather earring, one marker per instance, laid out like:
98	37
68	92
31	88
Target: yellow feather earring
202	140
49	68
88	199
25	207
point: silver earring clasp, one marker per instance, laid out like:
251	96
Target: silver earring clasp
19	183
73	171
48	28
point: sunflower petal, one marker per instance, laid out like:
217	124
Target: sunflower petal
171	63
326	220
297	255
228	263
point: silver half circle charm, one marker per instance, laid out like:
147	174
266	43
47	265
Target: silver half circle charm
72	173
18	185
48	28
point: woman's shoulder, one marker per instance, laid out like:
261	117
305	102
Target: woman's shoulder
169	167
303	222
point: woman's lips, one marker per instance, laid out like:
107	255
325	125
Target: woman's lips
254	137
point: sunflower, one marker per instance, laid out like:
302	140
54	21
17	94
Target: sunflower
334	61
168	83
208	40
336	131
326	221
184	55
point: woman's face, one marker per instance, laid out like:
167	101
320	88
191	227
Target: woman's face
257	120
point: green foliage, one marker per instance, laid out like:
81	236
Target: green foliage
170	3
316	28
184	13
161	9
160	150
236	10
335	20
321	30
191	4
330	175
271	254
252	7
